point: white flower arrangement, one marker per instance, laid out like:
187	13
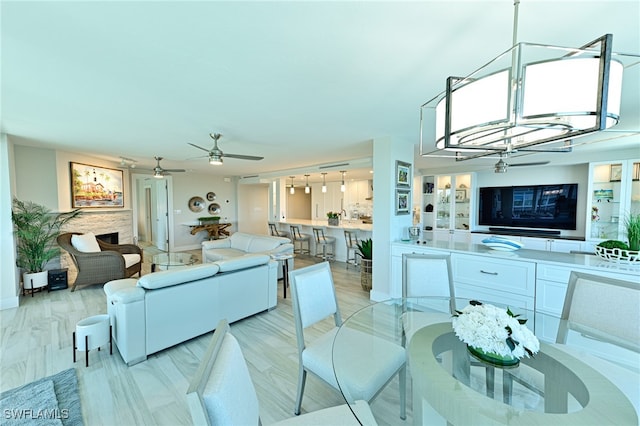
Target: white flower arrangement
494	330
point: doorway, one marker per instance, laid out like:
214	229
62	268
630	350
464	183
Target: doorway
152	201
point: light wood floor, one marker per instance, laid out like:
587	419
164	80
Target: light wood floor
36	341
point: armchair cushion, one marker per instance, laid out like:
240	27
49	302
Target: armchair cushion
131	259
86	243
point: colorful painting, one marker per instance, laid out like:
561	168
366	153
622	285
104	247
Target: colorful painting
403	175
94	186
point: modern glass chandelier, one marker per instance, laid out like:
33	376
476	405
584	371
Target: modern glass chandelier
532	97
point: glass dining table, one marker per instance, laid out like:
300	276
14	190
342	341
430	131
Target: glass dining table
446	384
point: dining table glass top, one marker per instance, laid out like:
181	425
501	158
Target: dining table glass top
449	385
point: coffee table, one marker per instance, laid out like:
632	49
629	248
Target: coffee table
164	261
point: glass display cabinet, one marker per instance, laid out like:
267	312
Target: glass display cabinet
613	193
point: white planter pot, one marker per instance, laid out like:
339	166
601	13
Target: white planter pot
35	280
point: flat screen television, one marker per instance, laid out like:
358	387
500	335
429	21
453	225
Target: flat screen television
531	206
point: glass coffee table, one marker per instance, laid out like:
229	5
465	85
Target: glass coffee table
164	261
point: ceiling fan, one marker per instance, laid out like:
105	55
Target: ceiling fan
159	172
501	166
216	154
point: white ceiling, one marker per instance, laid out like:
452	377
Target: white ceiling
300	83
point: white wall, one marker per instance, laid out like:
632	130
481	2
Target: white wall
187	185
388	226
9	279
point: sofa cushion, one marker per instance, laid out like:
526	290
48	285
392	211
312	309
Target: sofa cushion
222	253
242	262
258	244
241	241
173	277
85	243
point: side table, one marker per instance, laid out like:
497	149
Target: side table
283	259
91	333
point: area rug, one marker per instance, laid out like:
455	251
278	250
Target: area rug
52	400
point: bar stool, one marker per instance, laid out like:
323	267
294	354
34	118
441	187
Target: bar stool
275	232
297	237
324	241
351	239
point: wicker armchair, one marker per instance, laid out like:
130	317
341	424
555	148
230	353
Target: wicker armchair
100	267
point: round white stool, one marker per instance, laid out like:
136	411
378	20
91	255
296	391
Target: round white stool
91	333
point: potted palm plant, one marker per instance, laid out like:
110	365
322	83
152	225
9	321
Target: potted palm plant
36	229
365	247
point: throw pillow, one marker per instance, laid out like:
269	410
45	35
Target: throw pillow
85	243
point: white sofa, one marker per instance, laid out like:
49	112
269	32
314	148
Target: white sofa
165	308
241	244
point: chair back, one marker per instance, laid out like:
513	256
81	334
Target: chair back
295	232
273	230
605	308
427	275
318	234
314	297
351	238
222	392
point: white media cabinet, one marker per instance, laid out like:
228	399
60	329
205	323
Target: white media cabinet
531	279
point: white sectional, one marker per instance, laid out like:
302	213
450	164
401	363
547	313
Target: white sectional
165	308
241	244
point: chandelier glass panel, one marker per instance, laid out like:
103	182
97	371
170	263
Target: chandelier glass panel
532	97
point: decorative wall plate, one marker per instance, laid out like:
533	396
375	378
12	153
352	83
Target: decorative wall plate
214	208
196	204
211	196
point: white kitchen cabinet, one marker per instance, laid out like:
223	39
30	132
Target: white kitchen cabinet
614	192
324	202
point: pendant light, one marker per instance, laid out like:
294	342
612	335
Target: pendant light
532	97
342	187
292	190
324	183
306	187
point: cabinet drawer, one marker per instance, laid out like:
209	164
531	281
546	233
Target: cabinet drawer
508	275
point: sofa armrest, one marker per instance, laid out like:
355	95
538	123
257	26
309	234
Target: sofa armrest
286	248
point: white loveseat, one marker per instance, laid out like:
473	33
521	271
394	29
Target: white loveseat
241	244
165	308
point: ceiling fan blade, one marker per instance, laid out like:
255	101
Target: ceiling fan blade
174	170
242	157
199	147
537	163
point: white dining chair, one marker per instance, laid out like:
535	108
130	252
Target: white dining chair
426	275
604	308
222	392
314	300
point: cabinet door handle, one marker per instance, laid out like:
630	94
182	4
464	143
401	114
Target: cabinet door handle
488	273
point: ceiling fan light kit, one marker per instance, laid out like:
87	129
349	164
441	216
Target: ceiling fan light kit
532	97
216	155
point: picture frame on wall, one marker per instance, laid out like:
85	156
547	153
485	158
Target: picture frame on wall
96	186
616	173
403	201
403	174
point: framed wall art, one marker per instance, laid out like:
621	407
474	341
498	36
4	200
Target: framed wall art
403	174
403	202
616	173
95	186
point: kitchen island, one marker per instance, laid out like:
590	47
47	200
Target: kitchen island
364	231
